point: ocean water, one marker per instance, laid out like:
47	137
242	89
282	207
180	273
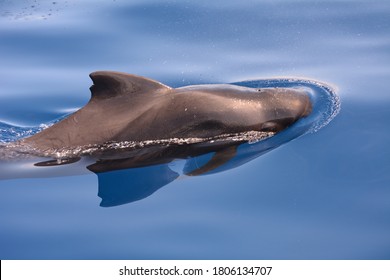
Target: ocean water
324	195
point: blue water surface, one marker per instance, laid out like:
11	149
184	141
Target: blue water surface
325	195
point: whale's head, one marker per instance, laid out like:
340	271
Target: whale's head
220	109
279	108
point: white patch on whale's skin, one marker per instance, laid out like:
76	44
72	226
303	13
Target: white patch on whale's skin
178	166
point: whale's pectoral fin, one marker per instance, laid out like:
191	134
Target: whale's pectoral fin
55	162
218	159
108	84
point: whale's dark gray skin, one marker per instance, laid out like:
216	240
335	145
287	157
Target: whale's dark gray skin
126	107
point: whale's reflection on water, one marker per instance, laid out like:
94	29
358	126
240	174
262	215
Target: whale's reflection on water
130	173
124	185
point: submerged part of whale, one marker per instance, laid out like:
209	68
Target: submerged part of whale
129	108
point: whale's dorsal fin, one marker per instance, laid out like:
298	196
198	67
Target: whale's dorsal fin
108	84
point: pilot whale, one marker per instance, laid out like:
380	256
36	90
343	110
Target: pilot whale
125	107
